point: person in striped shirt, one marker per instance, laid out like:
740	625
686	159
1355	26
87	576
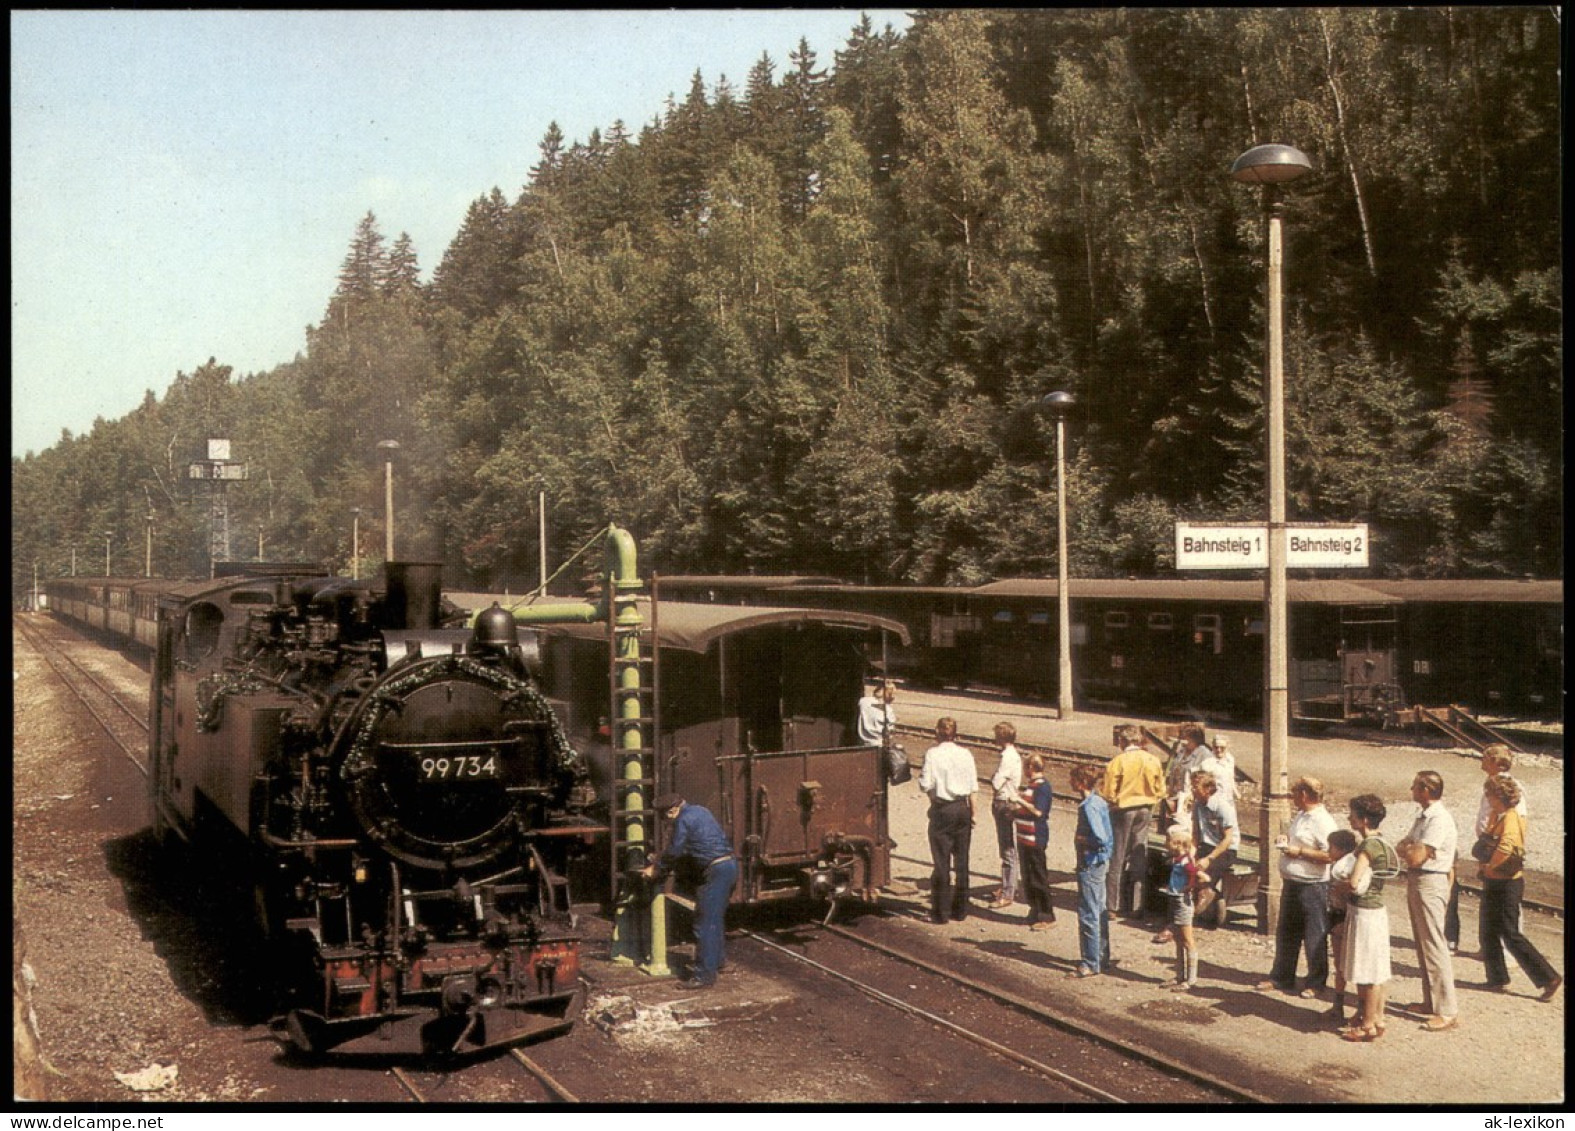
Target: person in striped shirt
1032	829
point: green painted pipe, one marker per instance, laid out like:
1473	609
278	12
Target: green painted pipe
618	606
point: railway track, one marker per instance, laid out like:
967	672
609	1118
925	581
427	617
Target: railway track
425	1086
100	700
1040	1013
1144	1075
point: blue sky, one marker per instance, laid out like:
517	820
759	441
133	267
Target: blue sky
184	185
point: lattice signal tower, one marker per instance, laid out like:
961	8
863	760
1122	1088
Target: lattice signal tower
218	471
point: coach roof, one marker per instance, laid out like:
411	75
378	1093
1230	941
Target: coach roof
695	627
1181	589
1484	591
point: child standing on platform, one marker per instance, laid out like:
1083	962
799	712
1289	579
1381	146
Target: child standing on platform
1033	837
1182	889
1342	862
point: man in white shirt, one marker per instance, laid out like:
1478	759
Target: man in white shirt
1428	852
877	717
1186	761
950	776
1304	907
1007	784
1222	764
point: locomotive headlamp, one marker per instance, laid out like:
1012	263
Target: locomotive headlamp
489	992
459	992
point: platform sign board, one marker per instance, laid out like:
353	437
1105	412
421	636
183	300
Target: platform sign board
1326	545
1246	545
1217	545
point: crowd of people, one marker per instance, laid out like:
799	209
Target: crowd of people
1333	902
1334	880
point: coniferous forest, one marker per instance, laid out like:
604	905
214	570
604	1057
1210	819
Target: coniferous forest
803	324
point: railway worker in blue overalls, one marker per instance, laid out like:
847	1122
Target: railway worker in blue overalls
699	844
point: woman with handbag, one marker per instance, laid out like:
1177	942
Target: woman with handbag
1501	851
1367	925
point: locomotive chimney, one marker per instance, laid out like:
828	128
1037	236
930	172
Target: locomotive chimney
415	591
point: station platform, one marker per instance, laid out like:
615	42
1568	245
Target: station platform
1508	1049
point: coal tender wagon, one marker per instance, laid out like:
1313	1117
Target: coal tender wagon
754	719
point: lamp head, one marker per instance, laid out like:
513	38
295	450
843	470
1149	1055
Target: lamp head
1058	404
1270	165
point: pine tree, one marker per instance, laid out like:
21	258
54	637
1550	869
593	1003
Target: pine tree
364	263
401	278
803	101
475	276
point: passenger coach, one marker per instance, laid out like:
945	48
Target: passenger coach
1194	644
1495	646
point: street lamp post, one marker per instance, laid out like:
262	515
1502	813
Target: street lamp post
1060	404
388	448
108	534
259	542
1271	166
147	562
355	543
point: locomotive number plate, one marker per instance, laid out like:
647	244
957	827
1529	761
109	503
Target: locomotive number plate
458	767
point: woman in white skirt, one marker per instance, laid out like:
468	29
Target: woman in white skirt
1367	926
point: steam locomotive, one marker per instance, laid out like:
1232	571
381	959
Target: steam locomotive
403	798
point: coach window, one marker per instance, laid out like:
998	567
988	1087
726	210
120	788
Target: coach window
1206	631
1117	620
1161	622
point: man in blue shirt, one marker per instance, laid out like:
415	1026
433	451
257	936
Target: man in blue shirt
1217	833
1095	840
698	839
